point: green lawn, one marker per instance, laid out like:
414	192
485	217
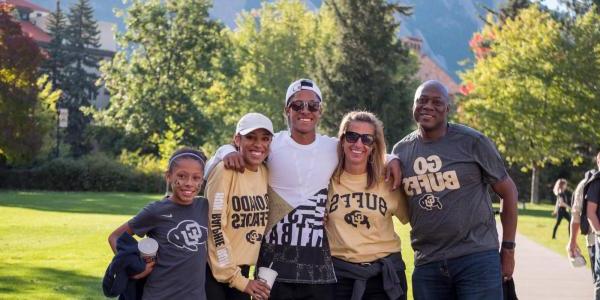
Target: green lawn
536	222
55	243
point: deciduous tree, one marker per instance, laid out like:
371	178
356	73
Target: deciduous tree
530	95
26	99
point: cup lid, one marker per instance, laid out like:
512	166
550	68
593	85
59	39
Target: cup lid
148	246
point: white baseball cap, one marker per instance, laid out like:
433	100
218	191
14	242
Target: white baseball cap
302	84
252	121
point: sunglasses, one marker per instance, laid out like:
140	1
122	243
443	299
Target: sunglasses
312	106
352	137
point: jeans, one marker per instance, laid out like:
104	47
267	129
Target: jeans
473	276
592	254
597	269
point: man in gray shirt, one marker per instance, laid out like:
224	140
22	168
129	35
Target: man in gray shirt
447	170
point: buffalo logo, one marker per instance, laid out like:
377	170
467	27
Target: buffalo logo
188	235
253	236
429	201
355	217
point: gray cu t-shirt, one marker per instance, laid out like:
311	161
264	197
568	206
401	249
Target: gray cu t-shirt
181	232
446	182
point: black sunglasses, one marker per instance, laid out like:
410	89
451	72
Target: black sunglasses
352	137
300	105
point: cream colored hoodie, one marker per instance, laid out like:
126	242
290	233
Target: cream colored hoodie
237	218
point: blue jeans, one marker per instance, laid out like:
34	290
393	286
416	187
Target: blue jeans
473	276
597	268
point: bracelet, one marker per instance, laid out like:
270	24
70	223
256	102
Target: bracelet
508	245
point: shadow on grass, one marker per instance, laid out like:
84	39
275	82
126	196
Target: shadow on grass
78	202
39	283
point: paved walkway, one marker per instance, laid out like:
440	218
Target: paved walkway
541	273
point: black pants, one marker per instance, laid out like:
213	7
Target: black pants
221	291
373	291
562	213
298	291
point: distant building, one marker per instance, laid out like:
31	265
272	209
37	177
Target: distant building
428	68
33	20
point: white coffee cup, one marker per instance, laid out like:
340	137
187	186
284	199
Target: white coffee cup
577	261
148	248
267	275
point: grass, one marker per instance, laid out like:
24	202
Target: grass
55	243
536	223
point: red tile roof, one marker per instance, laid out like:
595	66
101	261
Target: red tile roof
25	4
35	32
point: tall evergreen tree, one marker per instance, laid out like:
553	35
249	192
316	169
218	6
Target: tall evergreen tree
363	65
57	52
82	36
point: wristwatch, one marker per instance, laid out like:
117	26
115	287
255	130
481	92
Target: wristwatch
508	245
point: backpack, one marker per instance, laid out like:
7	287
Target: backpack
585	225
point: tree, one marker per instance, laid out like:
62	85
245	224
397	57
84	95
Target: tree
26	99
524	95
172	56
82	36
57	59
580	7
361	64
507	10
274	45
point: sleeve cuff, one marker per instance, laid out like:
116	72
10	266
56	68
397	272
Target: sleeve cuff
240	282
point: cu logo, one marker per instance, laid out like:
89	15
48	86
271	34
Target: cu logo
355	218
252	236
429	201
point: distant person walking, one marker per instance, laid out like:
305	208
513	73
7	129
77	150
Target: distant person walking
562	204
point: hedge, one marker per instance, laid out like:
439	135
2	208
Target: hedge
89	173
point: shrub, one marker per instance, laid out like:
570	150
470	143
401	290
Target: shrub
96	172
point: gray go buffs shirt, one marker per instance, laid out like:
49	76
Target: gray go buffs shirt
181	232
446	182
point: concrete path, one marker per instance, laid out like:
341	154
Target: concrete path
541	273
